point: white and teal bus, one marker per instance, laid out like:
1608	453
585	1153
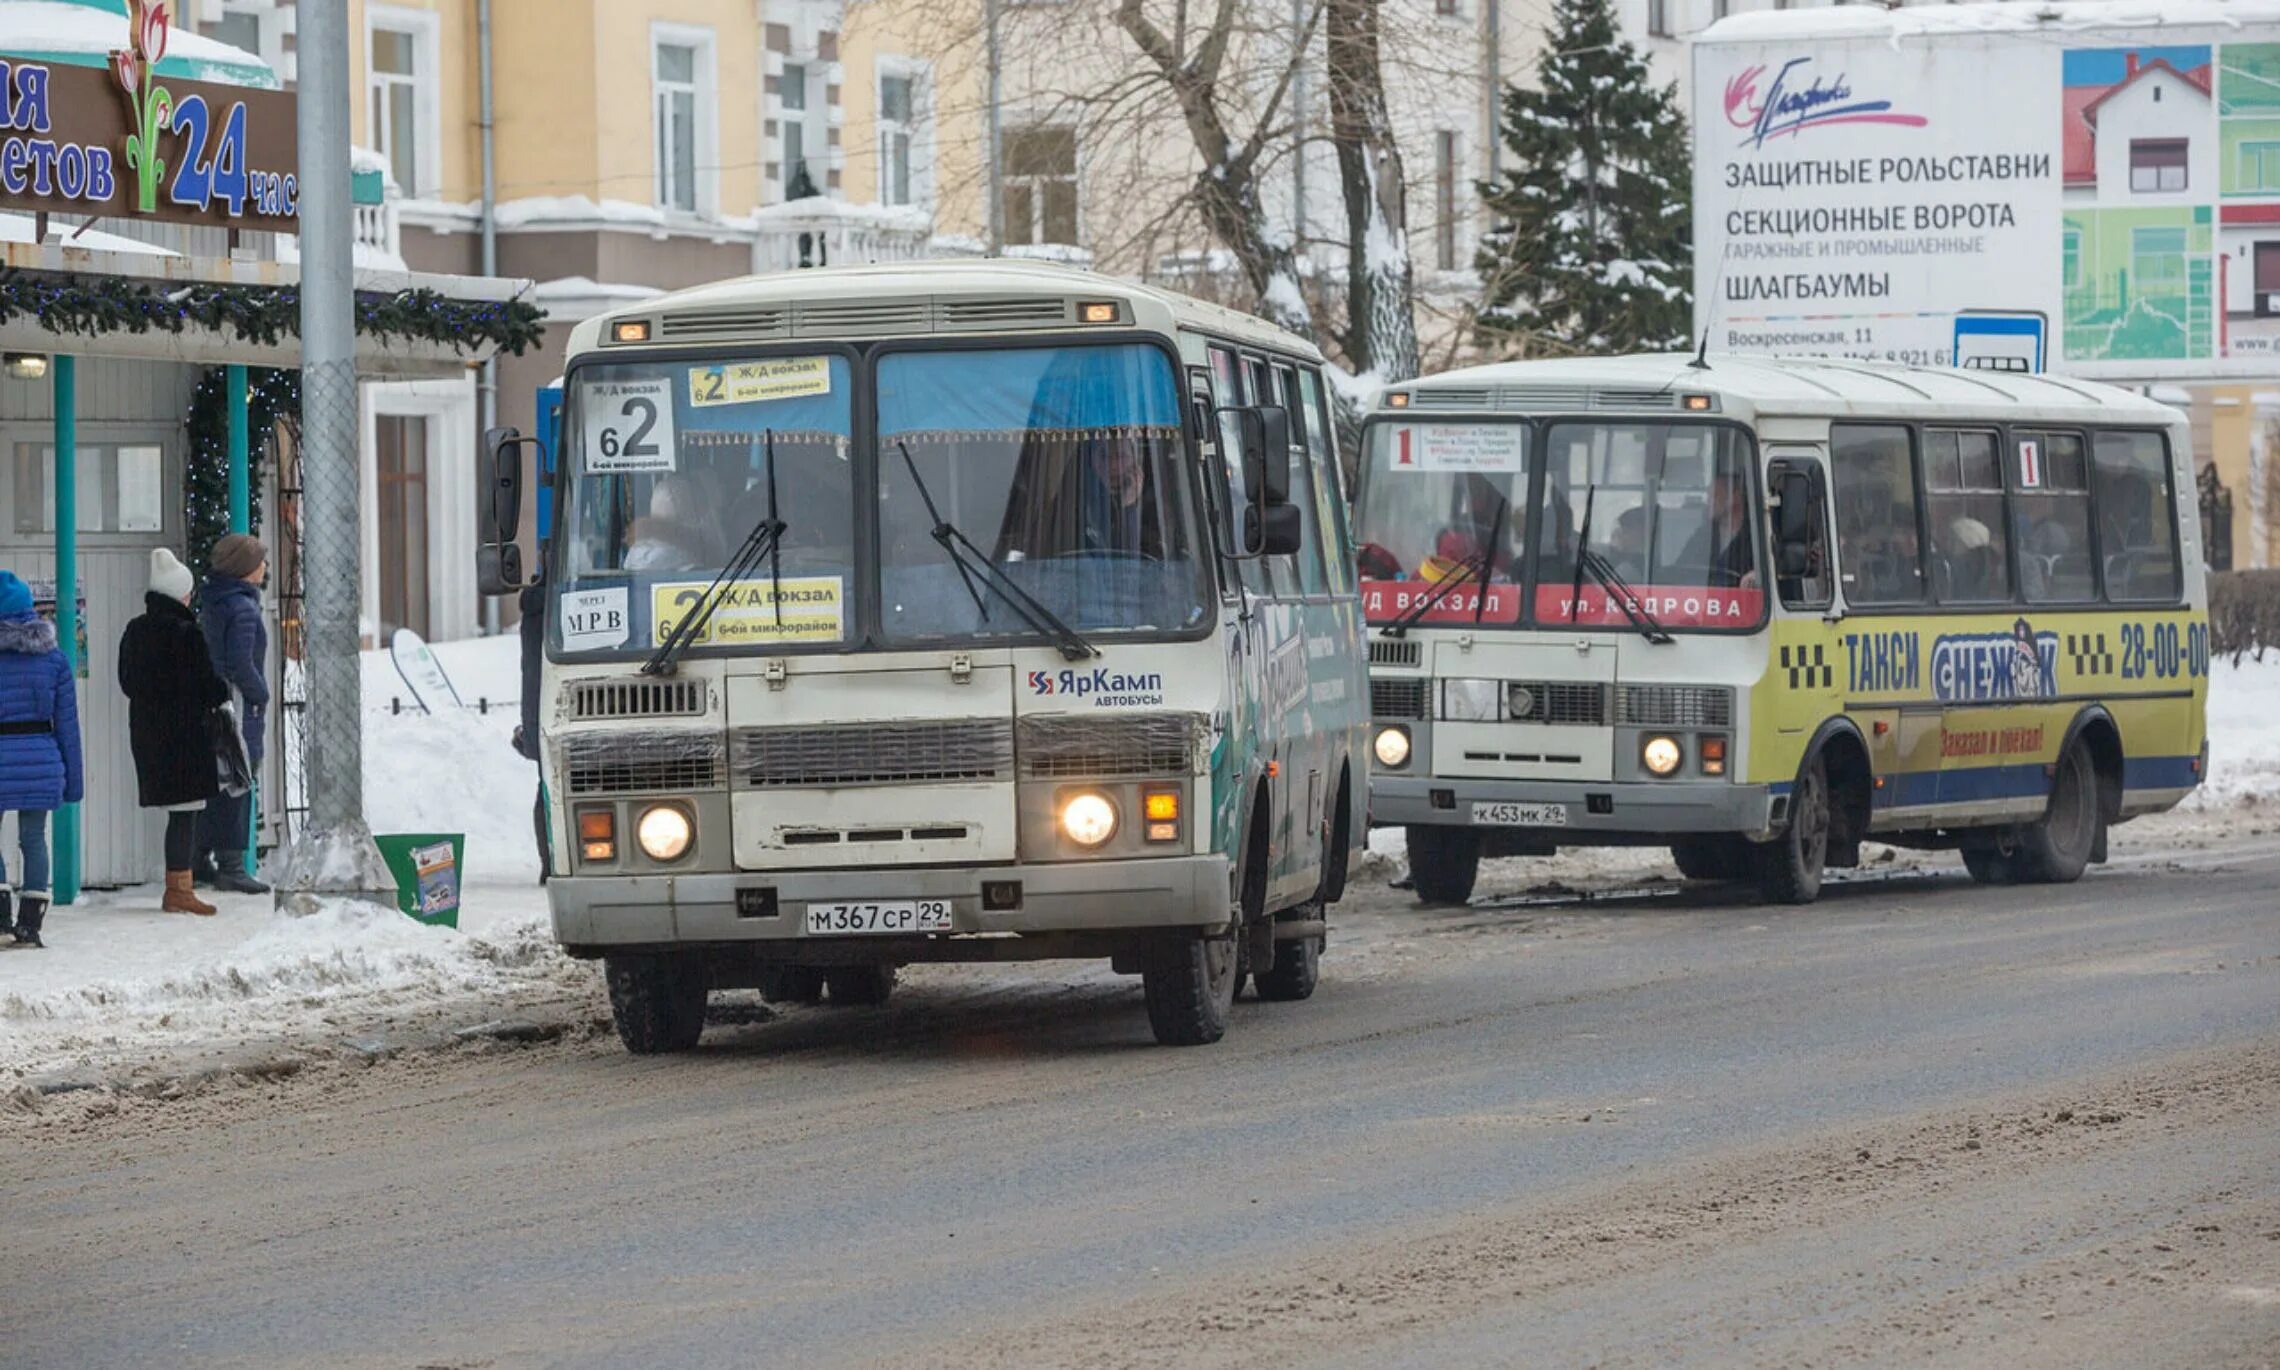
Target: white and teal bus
942	612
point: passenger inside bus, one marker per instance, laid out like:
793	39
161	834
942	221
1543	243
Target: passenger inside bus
1472	529
672	537
1970	563
1720	553
1627	548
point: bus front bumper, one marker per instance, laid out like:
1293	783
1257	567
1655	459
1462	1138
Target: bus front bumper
1595	813
764	906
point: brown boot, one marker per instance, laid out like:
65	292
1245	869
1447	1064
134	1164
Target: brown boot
182	898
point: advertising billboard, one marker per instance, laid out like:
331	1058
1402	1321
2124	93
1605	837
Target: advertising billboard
1959	186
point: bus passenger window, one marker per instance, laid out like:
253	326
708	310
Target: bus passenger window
1880	561
2050	518
1964	507
2137	516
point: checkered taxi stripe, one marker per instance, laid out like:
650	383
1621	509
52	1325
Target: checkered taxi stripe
1808	666
2088	653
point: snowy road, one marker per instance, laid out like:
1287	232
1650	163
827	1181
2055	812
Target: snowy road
1921	1121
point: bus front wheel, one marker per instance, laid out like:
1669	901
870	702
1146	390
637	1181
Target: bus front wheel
1443	862
1190	989
657	1001
1712	857
1789	867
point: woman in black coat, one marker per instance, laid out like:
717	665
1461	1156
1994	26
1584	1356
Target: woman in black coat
171	686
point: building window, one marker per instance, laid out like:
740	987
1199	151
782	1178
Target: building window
1658	18
403	94
2157	165
801	178
238	28
2073	259
1447	9
2157	260
1445	200
121	488
1041	185
901	175
681	79
2260	166
402	441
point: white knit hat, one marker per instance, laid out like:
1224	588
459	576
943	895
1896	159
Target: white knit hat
168	576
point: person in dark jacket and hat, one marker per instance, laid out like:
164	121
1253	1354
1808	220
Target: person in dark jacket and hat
39	750
238	640
168	677
532	602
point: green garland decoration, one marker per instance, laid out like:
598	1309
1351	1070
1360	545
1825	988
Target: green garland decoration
270	396
90	306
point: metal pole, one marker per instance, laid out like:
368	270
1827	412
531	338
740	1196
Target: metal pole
1495	67
333	860
241	497
488	384
65	867
996	131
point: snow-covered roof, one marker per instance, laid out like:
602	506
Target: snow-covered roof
83	34
861	289
1800	385
17	228
1871	22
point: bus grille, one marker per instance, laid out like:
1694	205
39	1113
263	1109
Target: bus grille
642	763
1390	698
1678	706
1056	748
1565	702
594	699
925	751
1395	652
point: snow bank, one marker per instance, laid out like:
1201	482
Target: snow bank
2244	734
455	770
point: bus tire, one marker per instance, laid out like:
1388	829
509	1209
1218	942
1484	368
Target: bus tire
1296	969
791	985
1789	867
1444	862
2054	849
1339	849
1191	989
860	986
1991	864
1712	857
657	1001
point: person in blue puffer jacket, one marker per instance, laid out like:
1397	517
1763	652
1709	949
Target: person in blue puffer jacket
40	768
237	638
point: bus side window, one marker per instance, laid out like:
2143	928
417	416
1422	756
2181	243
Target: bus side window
1329	492
1801	570
1313	578
2137	516
1234	499
2050	518
1879	549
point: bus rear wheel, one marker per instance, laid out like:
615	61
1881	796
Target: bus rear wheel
1789	868
1712	857
1443	862
860	986
1190	990
657	1001
1297	966
1991	863
2057	848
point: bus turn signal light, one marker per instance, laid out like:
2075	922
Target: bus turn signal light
1713	754
597	834
1163	806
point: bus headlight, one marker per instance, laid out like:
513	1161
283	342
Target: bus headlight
1392	747
1661	755
1088	819
664	832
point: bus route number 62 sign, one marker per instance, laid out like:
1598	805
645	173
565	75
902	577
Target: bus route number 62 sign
629	427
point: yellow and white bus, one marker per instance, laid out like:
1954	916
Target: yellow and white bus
942	612
1760	610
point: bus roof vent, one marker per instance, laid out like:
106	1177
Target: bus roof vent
974	315
763	321
866	317
1543	397
1448	397
1634	399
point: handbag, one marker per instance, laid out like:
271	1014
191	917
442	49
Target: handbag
233	773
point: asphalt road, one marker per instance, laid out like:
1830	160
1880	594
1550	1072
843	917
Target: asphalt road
1919	1122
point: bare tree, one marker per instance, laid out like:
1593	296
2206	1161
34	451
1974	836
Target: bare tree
1381	315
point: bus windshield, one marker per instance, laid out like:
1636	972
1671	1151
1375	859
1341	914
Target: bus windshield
672	464
1060	467
1443	502
1669	516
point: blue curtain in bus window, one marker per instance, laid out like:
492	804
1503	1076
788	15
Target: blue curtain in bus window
1046	387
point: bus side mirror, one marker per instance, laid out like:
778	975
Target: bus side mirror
1793	524
498	558
1272	530
1267	468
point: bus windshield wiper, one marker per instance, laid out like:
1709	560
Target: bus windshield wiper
763	541
974	564
1601	570
1477	567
